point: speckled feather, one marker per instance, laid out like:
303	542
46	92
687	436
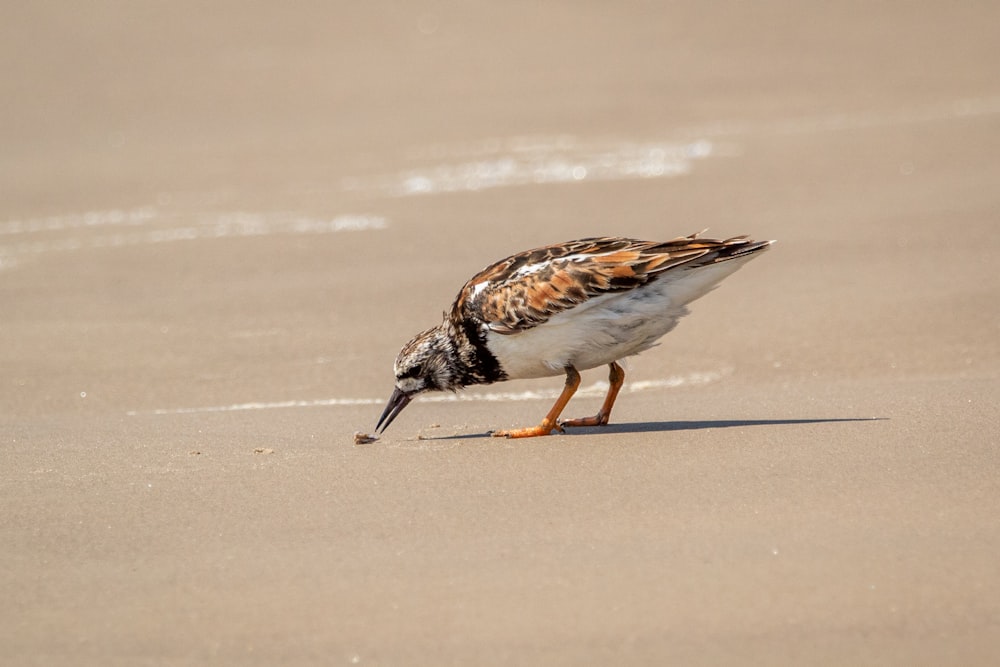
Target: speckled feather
526	289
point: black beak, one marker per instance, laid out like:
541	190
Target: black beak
396	403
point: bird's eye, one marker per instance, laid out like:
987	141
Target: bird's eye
412	372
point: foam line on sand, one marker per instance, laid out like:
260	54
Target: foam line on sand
596	389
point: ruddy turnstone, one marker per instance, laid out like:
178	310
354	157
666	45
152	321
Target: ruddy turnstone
563	309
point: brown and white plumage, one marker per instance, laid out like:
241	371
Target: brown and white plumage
562	309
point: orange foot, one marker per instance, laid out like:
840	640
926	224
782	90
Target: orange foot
615	380
551	421
600	419
545	428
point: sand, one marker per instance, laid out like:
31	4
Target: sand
217	227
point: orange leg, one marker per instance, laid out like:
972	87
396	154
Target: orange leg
616	379
551	421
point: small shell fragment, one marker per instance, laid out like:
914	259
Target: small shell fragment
364	438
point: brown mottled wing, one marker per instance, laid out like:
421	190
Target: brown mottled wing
528	288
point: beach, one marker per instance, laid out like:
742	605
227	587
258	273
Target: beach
219	225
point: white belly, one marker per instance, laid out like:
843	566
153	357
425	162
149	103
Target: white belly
606	328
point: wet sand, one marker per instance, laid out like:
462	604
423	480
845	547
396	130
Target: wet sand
217	228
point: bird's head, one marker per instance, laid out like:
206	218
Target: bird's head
426	363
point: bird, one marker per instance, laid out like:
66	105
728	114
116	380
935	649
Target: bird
562	309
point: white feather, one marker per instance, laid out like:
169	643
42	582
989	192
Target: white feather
479	287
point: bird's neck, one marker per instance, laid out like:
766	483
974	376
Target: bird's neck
475	362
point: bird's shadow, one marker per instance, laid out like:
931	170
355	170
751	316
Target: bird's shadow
668	426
